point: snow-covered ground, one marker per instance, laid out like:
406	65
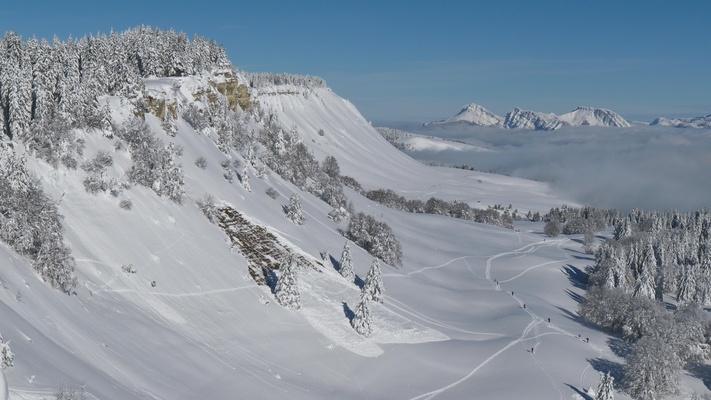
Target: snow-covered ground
465	316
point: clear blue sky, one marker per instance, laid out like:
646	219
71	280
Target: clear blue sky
424	60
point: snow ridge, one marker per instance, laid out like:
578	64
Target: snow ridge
527	119
703	122
518	118
589	116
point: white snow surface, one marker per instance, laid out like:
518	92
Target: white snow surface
4	392
206	330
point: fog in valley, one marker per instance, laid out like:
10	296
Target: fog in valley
643	166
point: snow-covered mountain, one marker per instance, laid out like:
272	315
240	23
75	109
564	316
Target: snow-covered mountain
472	114
698	122
175	212
526	119
589	116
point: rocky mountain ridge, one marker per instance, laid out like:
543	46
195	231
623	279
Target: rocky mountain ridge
476	115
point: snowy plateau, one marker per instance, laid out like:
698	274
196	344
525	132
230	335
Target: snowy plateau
172	300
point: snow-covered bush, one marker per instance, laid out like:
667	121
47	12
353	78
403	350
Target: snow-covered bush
330	167
195	117
229	171
207	206
294	210
376	237
6	356
201	162
126	204
53	140
271	192
96	181
552	228
65	392
154	165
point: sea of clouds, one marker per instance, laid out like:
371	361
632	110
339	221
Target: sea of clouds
645	167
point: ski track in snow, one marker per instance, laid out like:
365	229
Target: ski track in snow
536	320
437	392
402	307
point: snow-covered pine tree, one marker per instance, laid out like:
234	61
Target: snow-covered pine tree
245	178
622	229
168	124
346	264
374	287
605	389
294	213
686	286
6	356
588	242
646	282
286	291
362	320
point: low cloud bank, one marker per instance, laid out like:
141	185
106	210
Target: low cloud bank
645	167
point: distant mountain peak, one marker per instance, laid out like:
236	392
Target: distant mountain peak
703	122
472	114
591	116
527	119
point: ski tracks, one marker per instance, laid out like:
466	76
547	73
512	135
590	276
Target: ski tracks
439	391
533	325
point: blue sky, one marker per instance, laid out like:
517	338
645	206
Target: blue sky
424	60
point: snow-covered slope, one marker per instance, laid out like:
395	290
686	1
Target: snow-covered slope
589	116
698	122
472	114
466	315
365	155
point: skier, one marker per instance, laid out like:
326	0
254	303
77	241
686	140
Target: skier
524	306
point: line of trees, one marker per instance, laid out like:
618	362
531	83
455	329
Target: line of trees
454	209
63	80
